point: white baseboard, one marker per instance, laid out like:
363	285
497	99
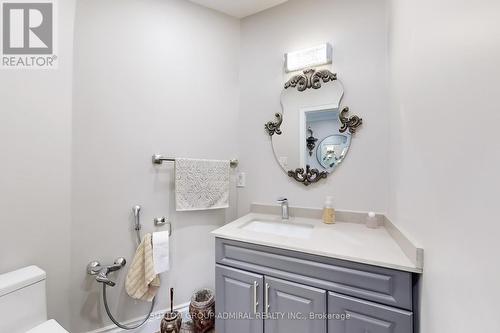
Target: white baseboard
151	326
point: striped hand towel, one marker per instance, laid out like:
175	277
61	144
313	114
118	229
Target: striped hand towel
142	282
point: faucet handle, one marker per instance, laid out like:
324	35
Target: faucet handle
93	268
102	278
119	263
282	200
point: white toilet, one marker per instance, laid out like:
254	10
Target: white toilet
23	305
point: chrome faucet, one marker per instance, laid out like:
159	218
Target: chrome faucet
285	215
95	268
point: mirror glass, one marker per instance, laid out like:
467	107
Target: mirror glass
310	128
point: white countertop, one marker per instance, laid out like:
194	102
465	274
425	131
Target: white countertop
348	241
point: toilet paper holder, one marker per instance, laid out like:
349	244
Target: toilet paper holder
163	221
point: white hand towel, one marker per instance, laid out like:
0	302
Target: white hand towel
201	184
142	282
161	260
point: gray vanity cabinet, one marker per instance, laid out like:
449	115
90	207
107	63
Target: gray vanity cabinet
239	293
278	287
242	298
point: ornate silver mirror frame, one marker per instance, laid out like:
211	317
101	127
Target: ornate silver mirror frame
313	79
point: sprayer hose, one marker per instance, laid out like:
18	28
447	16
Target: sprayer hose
116	321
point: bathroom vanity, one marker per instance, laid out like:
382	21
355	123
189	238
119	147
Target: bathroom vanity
302	276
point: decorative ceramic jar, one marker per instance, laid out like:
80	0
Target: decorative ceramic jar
202	310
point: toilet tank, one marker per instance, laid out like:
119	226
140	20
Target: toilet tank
23	302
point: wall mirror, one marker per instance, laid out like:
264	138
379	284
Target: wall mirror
312	135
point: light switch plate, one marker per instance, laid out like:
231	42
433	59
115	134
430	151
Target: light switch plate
241	179
283	160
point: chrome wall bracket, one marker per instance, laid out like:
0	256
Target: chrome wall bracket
163	221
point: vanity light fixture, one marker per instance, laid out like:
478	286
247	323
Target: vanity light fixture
307	58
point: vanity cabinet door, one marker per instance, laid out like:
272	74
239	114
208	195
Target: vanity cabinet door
289	306
239	301
366	317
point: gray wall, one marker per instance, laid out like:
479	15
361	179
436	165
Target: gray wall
444	181
150	77
35	144
358	32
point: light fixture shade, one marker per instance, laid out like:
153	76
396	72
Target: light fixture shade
307	58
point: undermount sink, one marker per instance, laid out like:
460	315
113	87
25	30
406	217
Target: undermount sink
287	229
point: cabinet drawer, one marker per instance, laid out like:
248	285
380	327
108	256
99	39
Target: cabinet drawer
381	285
364	316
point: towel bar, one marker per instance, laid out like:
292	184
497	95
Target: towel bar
159	159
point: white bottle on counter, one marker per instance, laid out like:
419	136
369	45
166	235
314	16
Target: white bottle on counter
372	220
329	211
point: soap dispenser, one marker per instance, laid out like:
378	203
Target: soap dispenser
372	220
329	211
